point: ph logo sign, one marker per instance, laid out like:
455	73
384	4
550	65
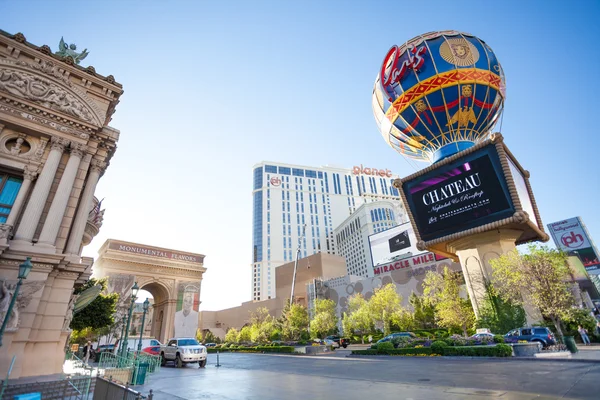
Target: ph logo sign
275	181
572	240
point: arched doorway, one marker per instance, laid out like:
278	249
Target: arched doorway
155	316
172	278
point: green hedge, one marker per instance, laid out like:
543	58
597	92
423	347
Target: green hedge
258	349
410	350
500	350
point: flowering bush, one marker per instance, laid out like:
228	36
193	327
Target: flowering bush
556	347
402	342
419	346
427	343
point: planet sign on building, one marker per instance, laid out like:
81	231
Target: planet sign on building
437	98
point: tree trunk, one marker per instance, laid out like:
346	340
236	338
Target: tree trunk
362	338
559	331
464	328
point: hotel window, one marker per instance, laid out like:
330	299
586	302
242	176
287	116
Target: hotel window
9	188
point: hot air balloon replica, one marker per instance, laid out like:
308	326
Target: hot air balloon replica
437	99
438	94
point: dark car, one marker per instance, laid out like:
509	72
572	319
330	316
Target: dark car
392	336
342	342
537	334
103	348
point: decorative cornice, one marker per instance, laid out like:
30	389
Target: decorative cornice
58	143
41	120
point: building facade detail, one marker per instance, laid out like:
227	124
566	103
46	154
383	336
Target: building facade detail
173	278
288	197
54	144
352	235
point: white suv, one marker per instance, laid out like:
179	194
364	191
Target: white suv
183	351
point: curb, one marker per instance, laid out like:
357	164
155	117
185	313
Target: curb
501	359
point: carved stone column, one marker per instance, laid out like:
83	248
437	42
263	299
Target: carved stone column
61	198
34	209
74	243
29	174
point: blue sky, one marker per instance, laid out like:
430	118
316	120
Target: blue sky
212	88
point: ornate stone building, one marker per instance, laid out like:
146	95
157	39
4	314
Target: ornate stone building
55	144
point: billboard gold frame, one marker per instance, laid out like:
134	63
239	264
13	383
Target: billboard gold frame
520	220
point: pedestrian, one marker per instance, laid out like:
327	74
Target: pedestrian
584	336
598	328
370	339
87	352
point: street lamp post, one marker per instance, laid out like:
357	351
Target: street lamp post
122	334
134	291
146	305
296	264
24	270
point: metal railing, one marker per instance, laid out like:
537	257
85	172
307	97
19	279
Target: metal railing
76	388
108	389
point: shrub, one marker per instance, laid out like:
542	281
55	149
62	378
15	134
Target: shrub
438	346
498	339
276	349
374	346
385	346
401	342
500	350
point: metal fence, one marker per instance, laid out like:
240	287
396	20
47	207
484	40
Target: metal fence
77	388
107	389
114	372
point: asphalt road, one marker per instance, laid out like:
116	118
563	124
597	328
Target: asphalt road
266	377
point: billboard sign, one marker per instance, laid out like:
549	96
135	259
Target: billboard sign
466	193
392	243
571	236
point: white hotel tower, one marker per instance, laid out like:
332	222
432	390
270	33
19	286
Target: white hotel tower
287	197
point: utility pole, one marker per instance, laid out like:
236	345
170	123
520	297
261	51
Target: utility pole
296	263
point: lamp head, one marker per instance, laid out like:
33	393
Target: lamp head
25	268
135	289
146	304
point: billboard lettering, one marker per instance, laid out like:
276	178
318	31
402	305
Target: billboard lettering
571	236
371	171
408	262
156	252
414	60
458	196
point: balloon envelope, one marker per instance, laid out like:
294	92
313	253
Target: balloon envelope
438	94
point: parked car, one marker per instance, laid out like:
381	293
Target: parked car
328	342
183	351
154	350
487	337
389	338
342	342
210	344
103	348
537	334
132	343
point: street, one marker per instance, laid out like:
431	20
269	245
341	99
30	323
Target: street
266	377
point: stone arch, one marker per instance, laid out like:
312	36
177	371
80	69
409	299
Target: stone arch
162	297
167	274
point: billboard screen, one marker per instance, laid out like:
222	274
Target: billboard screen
461	195
392	242
571	236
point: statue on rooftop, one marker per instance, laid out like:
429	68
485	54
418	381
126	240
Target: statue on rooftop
65	50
